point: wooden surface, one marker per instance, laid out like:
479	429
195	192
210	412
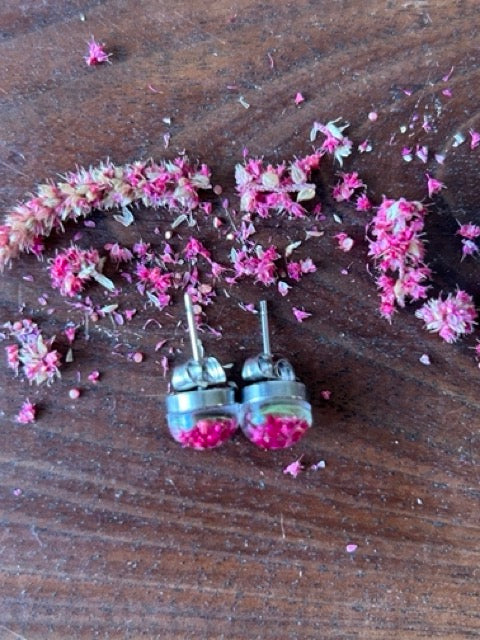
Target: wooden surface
109	529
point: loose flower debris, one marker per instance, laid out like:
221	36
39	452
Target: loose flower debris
395	237
96	53
294	468
27	413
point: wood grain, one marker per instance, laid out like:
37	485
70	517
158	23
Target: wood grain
116	531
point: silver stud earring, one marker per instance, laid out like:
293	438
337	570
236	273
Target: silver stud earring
201	411
275	410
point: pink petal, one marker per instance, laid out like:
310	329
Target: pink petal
294	468
300	314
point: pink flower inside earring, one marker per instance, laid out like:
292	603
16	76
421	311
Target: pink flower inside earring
276	413
201	411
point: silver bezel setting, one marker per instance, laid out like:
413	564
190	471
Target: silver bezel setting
184	401
271	389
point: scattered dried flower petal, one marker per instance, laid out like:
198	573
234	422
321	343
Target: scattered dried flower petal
96	53
345	243
475	139
398	250
27	413
299	99
294	468
300	314
433	185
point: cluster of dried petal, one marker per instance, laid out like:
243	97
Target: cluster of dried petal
27	413
276	189
469	233
73	268
96	53
396	245
451	317
33	355
173	184
207	433
257	263
335	143
276	431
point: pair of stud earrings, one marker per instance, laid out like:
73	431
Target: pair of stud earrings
202	411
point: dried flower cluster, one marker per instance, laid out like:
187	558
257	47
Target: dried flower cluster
72	268
276	431
451	317
207	433
96	53
33	355
27	413
279	189
469	233
335	143
398	250
173	185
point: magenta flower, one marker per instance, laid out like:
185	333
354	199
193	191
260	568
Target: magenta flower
40	362
94	376
300	314
345	243
70	331
433	185
207	433
96	53
398	250
299	98
422	153
475	139
34	355
294	270
258	263
72	268
363	203
294	468
469	231
346	186
276	431
117	253
195	248
451	317
335	143
469	248
281	189
283	288
27	413
13	359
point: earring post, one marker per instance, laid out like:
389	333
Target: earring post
265	332
192	329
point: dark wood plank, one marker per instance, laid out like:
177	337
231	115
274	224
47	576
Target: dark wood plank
111	530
